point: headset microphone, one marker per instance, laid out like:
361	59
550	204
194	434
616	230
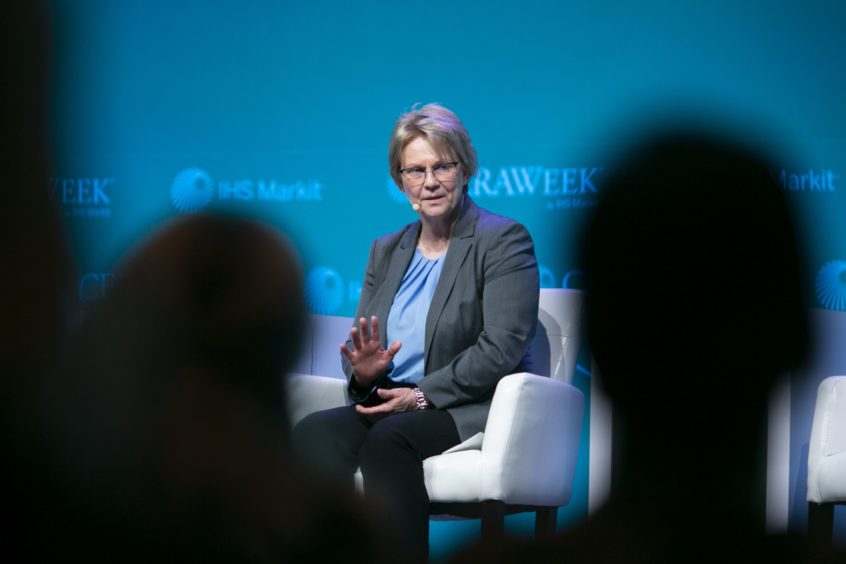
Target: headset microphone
415	206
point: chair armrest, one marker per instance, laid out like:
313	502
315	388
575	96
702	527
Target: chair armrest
307	393
531	441
834	440
827	446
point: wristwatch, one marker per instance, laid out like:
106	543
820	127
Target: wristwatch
422	402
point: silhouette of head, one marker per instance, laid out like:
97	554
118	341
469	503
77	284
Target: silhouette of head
221	292
170	419
693	281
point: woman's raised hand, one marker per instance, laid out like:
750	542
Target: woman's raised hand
367	357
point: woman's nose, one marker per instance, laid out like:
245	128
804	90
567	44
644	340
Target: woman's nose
430	181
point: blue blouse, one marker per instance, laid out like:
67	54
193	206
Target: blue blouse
407	318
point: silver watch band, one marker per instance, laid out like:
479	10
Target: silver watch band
422	402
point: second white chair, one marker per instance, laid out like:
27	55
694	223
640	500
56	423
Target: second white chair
827	457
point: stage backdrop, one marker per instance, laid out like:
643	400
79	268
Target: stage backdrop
282	111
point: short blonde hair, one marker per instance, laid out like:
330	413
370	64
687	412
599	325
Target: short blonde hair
442	129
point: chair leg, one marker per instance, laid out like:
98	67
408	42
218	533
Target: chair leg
493	520
820	523
545	522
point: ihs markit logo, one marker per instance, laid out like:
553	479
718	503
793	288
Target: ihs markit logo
831	285
192	190
324	290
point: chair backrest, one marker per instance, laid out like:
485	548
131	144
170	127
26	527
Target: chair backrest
555	347
320	353
553	350
828	442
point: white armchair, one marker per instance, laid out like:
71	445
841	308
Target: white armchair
526	458
827	457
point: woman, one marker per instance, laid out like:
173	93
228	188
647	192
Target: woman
456	295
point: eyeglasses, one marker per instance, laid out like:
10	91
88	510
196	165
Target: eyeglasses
444	172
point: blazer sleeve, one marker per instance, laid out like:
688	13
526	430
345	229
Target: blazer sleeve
510	309
368	286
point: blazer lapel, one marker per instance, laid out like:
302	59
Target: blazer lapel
397	265
463	236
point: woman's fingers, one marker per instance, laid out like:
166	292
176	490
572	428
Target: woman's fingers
366	334
394	348
355	337
390	393
374	329
367	351
375	411
397	400
365	330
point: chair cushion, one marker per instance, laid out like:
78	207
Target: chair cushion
454	477
473	443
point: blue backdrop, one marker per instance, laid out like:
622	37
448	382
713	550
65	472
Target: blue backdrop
282	110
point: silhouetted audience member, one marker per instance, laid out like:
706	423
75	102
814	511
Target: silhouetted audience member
169	421
36	285
694	307
157	432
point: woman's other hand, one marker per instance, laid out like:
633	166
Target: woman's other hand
397	400
368	359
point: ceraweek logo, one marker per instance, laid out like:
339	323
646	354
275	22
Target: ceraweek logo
517	181
558	187
193	189
83	197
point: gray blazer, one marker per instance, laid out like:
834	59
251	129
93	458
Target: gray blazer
482	316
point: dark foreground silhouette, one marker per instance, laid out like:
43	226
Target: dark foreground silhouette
694	307
167	425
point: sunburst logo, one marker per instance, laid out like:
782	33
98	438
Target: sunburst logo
324	290
192	190
831	285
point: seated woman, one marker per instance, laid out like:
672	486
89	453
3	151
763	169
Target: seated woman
456	296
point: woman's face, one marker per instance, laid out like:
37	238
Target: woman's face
438	199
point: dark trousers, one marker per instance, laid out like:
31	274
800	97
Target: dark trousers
390	453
